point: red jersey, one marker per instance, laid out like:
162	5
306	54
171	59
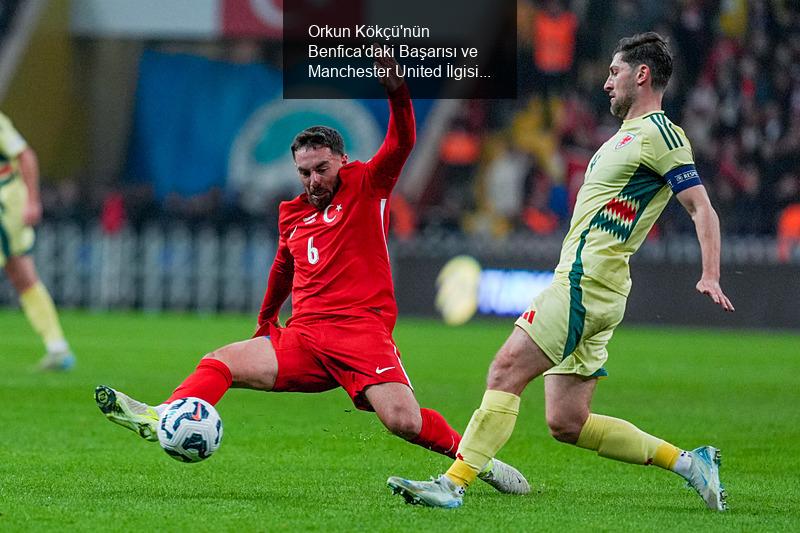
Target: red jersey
335	261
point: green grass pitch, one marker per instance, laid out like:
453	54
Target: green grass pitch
292	462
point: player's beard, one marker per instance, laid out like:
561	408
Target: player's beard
321	198
622	103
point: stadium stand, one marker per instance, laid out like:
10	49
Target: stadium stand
736	92
499	181
509	166
7	10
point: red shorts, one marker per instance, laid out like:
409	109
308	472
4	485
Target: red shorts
352	353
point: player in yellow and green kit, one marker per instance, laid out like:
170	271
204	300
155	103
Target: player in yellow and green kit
20	210
564	333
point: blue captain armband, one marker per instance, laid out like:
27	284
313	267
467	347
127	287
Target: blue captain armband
682	177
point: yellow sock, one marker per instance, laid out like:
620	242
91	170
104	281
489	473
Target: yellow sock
41	313
461	473
489	428
617	439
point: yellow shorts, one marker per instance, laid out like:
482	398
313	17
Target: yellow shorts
572	325
15	237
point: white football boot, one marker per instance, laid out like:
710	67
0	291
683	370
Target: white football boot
504	478
440	492
704	477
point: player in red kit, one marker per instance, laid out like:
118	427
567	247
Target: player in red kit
333	259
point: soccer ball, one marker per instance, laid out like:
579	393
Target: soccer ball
190	430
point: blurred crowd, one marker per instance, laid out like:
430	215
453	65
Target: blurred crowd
7	10
510	166
515	166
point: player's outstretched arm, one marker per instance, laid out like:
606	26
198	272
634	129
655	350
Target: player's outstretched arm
695	200
385	166
392	81
279	287
29	166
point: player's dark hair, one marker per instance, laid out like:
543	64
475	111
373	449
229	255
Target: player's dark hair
649	49
319	137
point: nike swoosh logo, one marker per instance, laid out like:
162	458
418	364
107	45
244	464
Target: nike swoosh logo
197	415
379	370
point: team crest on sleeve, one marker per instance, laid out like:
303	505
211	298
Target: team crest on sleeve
625	141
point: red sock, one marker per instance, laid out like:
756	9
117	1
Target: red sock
437	435
210	380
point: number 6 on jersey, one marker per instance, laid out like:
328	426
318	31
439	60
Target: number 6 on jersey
313	253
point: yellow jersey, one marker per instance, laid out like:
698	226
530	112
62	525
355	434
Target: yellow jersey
12	144
626	187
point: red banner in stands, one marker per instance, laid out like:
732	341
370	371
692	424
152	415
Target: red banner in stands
252	18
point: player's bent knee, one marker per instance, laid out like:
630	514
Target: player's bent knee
21	273
407	428
252	363
502	364
564	429
517	363
504	372
219	355
405	423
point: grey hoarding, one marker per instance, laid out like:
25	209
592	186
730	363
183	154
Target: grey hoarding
765	296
